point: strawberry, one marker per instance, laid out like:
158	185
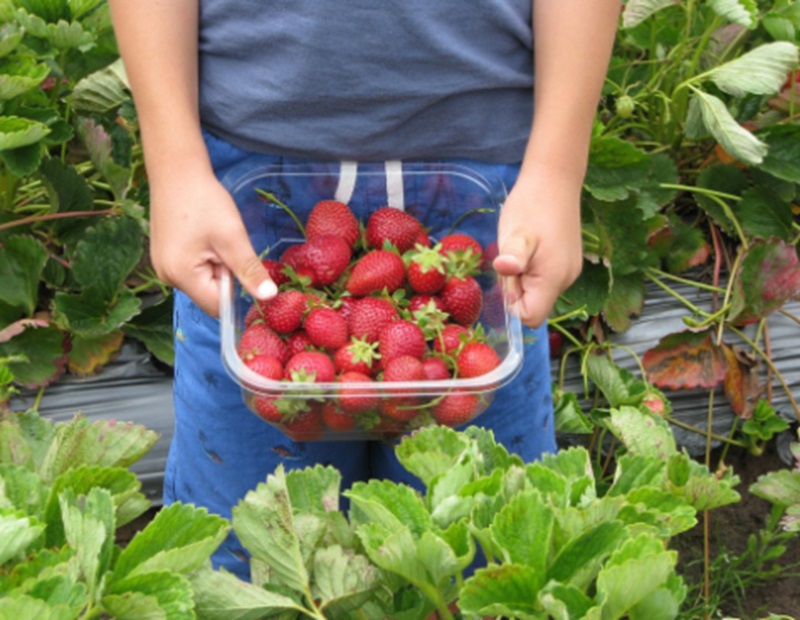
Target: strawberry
275	269
400	409
259	339
345	306
304	426
267	409
463	299
357	355
327	256
403	368
451	337
284	312
354	398
375	271
428	313
395	226
426	271
401	337
297	342
331	217
294	257
464	254
423	303
267	366
335	418
309	366
326	328
456	408
476	359
435	369
368	316
423	239
555	341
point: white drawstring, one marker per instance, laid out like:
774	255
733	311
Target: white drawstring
395	194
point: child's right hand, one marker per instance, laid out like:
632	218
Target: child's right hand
195	230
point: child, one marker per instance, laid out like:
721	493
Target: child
224	86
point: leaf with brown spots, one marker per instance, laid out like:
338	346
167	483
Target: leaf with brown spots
742	385
686	360
768	278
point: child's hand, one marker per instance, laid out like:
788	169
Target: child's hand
195	229
539	239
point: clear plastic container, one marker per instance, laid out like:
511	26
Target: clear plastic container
445	198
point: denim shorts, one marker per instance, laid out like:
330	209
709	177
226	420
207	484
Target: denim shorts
221	450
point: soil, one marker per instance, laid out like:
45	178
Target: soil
746	591
773	587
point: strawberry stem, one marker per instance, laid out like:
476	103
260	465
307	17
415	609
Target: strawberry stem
270	197
454	227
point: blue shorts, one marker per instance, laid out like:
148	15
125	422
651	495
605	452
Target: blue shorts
221	450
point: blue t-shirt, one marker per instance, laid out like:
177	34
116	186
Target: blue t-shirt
369	79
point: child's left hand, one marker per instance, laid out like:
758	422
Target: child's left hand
539	239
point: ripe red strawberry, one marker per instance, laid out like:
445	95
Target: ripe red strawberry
355	398
426	271
395	226
463	299
298	342
275	269
345	306
451	338
555	341
357	355
368	316
326	328
400	409
401	337
267	408
254	313
327	256
403	368
423	239
375	271
462	246
295	257
309	366
435	369
336	419
331	217
267	366
476	359
423	303
304	426
259	339
456	408
284	312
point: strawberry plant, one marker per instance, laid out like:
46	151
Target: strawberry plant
64	490
558	542
73	278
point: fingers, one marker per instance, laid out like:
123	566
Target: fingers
236	252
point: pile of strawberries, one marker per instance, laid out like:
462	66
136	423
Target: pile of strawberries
366	302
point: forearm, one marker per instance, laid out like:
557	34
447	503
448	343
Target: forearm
158	44
573	40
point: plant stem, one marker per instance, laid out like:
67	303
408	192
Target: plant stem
273	198
654	272
55	216
693	429
676	295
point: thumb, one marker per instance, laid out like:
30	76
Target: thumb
514	254
240	258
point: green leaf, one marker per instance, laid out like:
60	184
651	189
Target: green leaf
10	37
780	487
708	114
606	375
265	525
432	452
222	596
70	35
89	529
579	561
24	160
22	260
742	12
528	545
19	74
343	580
637	11
625	301
314	489
703	490
563	602
88	355
589	291
663	603
16	132
673	515
180	539
783	157
102	91
17	533
48	10
761	71
22	489
623	238
89	315
42	349
642	561
153	327
390	504
99	144
616	168
763	214
635	471
642	433
769	277
171	593
25	439
119	242
21	606
501	591
105	443
569	415
68	190
82	8
652	197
